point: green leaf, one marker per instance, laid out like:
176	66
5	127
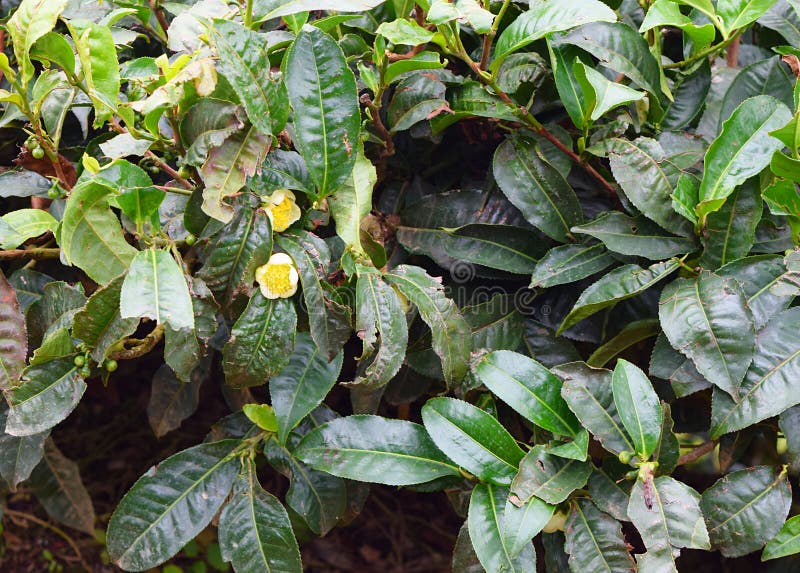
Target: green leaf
379	314
784	19
18	226
786	542
529	388
243	245
620	48
609	495
261	342
667	514
745	509
588	392
352	202
768	386
22	183
770	76
47	395
140	204
404	32
667	13
302	384
602	94
32	20
13	337
451	333
282	170
170	504
422	61
536	188
648	178
255	533
56	483
503	247
570	263
635	236
522	524
244	62
569	89
207	125
90	234
54	310
418	97
269	9
758	275
19	455
690	92
594	540
548	477
633	333
473	439
730	232
486	521
545	18
742	150
156	288
737	14
467	100
620	284
227	168
327	119
171	401
721	340
100	324
638	407
98	57
375	449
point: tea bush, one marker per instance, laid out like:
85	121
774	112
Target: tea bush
281	197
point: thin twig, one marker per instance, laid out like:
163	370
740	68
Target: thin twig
159	13
58	531
697	453
157	161
38	253
378	123
732	58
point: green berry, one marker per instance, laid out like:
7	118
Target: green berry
31	143
85	371
190	239
111	365
53	192
37	152
154	169
625	457
79	361
184	172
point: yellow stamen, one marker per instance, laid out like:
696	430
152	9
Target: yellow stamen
276	278
282	215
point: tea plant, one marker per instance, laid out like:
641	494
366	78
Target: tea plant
281	196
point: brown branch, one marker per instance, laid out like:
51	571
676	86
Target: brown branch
392	57
732	57
159	14
697	453
485	50
37	253
157	161
378	123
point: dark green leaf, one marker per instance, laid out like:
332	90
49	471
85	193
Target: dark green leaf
451	333
170	504
536	188
549	477
745	509
690	92
323	94
757	275
721	337
595	541
100	324
375	449
19	456
770	77
633	333
620	284
261	341
302	384
569	263
47	395
638	407
768	386
635	236
522	524
244	62
255	533
529	388
171	401
485	521
13	337
730	232
588	393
